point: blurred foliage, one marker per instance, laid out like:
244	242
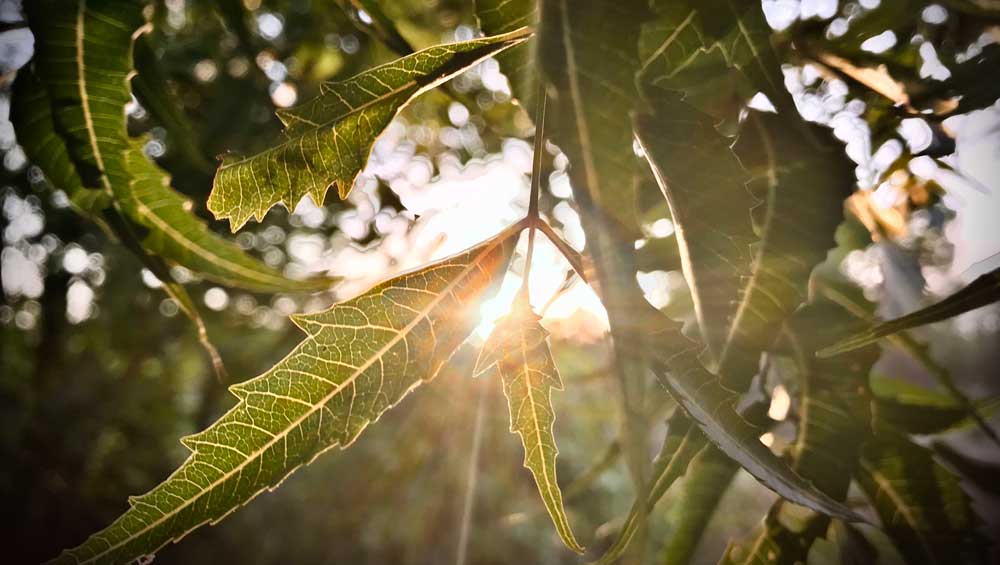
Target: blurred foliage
100	375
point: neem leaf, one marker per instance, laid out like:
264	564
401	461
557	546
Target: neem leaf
31	113
174	233
801	177
518	349
359	358
328	139
682	443
980	292
705	186
921	504
84	57
711	405
517	63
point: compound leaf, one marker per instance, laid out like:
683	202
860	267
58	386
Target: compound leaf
328	139
518	350
359	358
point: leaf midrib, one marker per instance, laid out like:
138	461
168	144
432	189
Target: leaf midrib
81	71
497	240
885	485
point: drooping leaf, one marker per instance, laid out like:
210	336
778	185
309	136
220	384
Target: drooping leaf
517	63
921	504
359	358
83	55
711	405
518	350
982	474
705	186
980	292
682	443
177	235
31	113
801	177
328	139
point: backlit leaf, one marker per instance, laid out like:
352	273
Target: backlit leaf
359	358
177	235
705	186
518	350
980	292
328	139
801	178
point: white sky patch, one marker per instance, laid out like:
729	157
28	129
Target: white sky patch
880	43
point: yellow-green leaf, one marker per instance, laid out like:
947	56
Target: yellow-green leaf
359	358
177	235
518	349
328	139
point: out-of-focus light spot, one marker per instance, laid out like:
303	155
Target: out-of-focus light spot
917	134
497	307
149	279
21	275
216	299
237	67
458	114
879	43
780	13
870	4
269	25
661	228
655	286
75	260
79	302
780	404
364	17
823	9
932	66
934	14
206	70
464	33
837	28
349	44
168	307
284	95
767	439
559	185
760	102
154	148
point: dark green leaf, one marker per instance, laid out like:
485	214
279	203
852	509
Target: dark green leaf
381	27
328	139
359	358
705	186
922	507
917	410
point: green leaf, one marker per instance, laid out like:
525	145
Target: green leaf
328	139
922	507
716	52
801	177
980	292
518	349
518	63
177	235
682	443
705	186
83	56
982	474
709	477
917	410
31	113
359	358
711	405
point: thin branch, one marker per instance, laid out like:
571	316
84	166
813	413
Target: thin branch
536	182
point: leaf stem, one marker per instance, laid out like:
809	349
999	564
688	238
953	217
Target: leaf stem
536	182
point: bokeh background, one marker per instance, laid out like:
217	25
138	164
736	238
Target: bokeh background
100	374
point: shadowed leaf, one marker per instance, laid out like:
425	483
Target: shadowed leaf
359	358
983	291
923	509
328	139
518	350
